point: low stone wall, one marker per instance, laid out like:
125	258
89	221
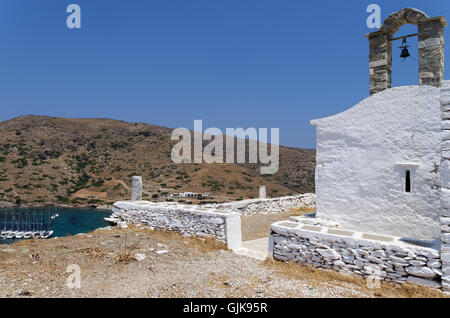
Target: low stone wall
225	226
380	257
267	206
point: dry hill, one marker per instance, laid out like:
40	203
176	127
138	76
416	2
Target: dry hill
90	161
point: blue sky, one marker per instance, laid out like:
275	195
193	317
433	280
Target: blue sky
231	63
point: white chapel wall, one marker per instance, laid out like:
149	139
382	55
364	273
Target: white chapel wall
362	158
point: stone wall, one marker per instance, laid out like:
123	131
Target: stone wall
267	206
370	255
187	220
445	190
431	49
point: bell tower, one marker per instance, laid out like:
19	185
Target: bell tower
431	48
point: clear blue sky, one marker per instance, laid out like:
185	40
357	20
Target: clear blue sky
232	63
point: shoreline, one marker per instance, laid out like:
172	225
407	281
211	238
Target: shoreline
8	205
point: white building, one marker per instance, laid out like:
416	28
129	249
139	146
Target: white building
189	195
378	163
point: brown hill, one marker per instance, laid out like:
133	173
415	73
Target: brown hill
83	162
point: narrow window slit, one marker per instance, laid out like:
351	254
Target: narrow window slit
408	181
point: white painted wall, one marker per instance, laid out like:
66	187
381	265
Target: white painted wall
360	179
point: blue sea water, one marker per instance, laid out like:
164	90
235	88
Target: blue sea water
69	222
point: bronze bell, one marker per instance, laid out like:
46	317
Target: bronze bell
405	52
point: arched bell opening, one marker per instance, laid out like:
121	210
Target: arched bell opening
405	56
430	48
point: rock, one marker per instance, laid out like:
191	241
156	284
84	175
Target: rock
9	250
161	252
139	257
437	271
424	272
362	252
339	263
104	207
122	225
329	254
267	206
216	220
417	263
423	282
24	251
359	263
434	264
445	258
430	253
446	270
5	204
379	254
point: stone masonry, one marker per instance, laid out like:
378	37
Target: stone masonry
136	188
187	220
431	49
445	190
268	206
376	257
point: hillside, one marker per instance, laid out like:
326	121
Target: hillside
84	162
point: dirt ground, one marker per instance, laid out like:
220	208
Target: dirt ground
258	225
174	266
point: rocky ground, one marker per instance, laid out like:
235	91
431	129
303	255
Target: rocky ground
137	262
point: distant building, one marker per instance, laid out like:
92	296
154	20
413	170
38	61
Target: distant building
190	195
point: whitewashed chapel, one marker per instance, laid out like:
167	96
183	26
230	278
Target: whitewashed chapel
378	163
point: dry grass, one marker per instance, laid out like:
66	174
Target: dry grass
319	277
125	251
301	211
93	252
192	268
203	245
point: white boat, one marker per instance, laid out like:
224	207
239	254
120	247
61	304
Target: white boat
27	225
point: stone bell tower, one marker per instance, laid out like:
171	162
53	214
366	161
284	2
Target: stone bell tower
431	49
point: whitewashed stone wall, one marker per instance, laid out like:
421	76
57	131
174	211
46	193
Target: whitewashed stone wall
267	206
380	257
362	157
188	220
445	191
